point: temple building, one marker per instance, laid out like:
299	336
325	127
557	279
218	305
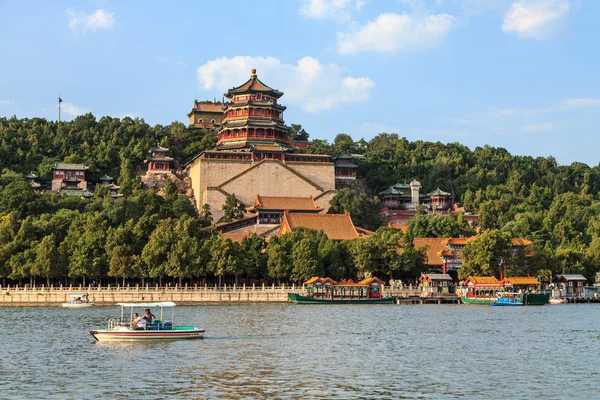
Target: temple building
400	202
344	168
159	161
443	254
207	114
270	209
70	179
113	189
254	157
34	181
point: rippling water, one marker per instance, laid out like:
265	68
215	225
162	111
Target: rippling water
304	351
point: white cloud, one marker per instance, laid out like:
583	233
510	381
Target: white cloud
580	103
391	32
7	102
337	10
538	19
309	84
543	127
81	22
70	109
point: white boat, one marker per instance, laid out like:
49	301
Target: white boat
124	330
80	300
557	300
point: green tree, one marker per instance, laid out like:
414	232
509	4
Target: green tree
484	255
47	259
365	211
232	209
305	261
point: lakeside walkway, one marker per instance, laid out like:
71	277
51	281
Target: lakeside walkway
185	295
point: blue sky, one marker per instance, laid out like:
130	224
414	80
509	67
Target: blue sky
519	74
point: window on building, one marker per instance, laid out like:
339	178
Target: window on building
200	120
212	121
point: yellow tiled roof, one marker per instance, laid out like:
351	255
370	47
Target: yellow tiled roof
335	226
521	280
286	203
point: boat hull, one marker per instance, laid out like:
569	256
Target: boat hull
144	335
535	299
299	299
483	301
74	305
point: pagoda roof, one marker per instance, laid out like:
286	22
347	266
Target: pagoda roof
106	178
438	192
236	123
159	149
35	185
69	167
253	85
160	159
435	277
71	179
256	103
231	145
335	226
286	203
31	175
269	147
396	189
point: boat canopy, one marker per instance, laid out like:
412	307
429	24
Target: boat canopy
78	294
157	304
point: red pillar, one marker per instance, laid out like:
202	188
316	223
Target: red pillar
501	271
444	267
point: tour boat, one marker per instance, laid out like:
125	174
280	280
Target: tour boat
328	291
80	300
123	330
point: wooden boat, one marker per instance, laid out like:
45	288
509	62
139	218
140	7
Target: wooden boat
328	291
299	299
80	300
123	330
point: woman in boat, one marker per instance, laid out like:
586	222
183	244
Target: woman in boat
148	316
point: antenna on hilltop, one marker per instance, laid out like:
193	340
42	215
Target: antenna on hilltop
59	101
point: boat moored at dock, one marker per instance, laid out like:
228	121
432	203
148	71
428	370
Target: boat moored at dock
328	291
124	329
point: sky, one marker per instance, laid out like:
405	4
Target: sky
518	74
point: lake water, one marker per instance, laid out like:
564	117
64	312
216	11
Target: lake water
302	351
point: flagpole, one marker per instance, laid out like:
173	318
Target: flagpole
59	101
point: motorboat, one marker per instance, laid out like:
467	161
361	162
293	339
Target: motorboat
557	300
123	329
80	300
508	299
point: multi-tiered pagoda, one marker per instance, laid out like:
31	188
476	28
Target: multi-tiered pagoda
254	120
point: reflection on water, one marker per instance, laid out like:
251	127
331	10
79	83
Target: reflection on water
322	351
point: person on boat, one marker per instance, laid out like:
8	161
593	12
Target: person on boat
78	300
138	322
148	316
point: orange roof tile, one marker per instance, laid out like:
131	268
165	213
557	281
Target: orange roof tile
482	280
316	279
434	247
335	226
286	203
208	106
400	227
521	242
368	281
521	280
460	241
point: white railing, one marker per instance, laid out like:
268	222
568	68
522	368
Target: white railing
403	291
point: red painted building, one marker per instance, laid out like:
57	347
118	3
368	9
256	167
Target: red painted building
159	161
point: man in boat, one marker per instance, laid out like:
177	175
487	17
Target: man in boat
138	322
